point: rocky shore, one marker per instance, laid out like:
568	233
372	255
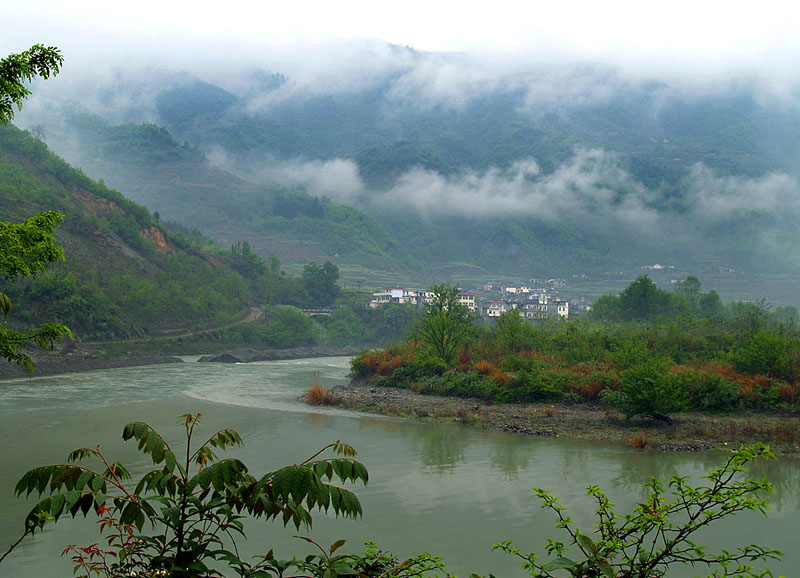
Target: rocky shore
690	432
77	363
250	355
79	360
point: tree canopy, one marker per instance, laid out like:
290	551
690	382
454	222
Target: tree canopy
28	247
17	69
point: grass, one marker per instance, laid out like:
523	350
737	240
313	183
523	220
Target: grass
317	394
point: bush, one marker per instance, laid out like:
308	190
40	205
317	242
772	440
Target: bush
658	535
650	390
459	384
710	391
194	504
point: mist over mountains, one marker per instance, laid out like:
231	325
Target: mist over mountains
507	167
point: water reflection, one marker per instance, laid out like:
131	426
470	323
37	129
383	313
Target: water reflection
440	448
509	458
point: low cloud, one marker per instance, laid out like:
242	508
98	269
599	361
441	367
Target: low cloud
337	179
590	186
716	197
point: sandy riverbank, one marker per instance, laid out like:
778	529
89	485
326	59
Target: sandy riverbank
690	431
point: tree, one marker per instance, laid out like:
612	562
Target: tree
689	288
659	534
27	249
650	390
17	69
447	323
509	332
320	283
641	299
192	500
606	308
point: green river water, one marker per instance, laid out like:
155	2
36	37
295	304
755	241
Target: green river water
441	488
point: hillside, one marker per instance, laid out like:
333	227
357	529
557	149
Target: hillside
125	274
181	185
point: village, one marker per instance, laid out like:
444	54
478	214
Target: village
537	301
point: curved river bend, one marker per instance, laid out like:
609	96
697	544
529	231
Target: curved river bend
441	488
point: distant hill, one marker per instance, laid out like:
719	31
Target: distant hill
412	174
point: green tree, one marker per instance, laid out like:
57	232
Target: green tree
320	283
689	289
509	332
447	324
642	299
345	328
17	69
711	304
27	249
650	390
606	308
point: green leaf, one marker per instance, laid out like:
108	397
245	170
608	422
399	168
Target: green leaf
294	481
336	545
560	564
85	476
605	568
587	543
5	304
170	461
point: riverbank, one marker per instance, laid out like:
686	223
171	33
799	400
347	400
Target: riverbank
249	355
690	432
80	359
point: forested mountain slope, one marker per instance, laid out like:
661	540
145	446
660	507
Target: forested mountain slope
125	274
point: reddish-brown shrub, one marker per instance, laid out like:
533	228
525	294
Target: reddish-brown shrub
319	395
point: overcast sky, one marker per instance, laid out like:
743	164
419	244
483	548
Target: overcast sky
721	35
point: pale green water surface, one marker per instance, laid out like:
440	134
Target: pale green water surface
441	488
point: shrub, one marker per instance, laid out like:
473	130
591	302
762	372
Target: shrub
649	390
192	502
317	394
659	534
710	391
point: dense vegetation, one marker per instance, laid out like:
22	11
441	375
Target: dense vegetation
663	353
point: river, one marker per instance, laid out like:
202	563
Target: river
442	488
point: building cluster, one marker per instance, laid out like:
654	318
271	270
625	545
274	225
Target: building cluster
533	304
400	296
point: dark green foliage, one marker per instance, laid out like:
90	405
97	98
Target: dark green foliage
709	391
16	70
650	390
320	283
459	384
763	352
282	326
26	249
345	328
